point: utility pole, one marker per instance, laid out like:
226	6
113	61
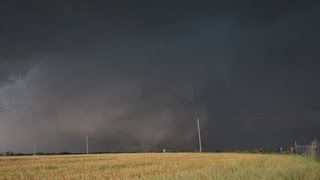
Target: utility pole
199	134
34	150
87	144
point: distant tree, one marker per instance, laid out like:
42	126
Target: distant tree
65	153
9	153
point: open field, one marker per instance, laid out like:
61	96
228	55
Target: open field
161	166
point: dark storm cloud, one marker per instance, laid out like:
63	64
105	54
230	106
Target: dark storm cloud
31	28
10	70
134	74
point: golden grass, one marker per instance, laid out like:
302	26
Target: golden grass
161	166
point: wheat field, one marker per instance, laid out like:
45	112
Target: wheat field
161	166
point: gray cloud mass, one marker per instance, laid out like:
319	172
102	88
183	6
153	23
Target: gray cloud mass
134	75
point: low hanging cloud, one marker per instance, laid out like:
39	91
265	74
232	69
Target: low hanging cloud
78	98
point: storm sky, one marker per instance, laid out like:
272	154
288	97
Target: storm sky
135	75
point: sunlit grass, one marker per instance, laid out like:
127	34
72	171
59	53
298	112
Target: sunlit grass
161	166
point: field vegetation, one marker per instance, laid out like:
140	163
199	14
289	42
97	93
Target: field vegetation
161	166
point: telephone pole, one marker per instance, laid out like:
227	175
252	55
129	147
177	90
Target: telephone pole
34	150
87	144
199	134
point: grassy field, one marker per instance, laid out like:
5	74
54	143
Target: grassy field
161	166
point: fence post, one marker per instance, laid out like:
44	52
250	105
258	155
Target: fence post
296	147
